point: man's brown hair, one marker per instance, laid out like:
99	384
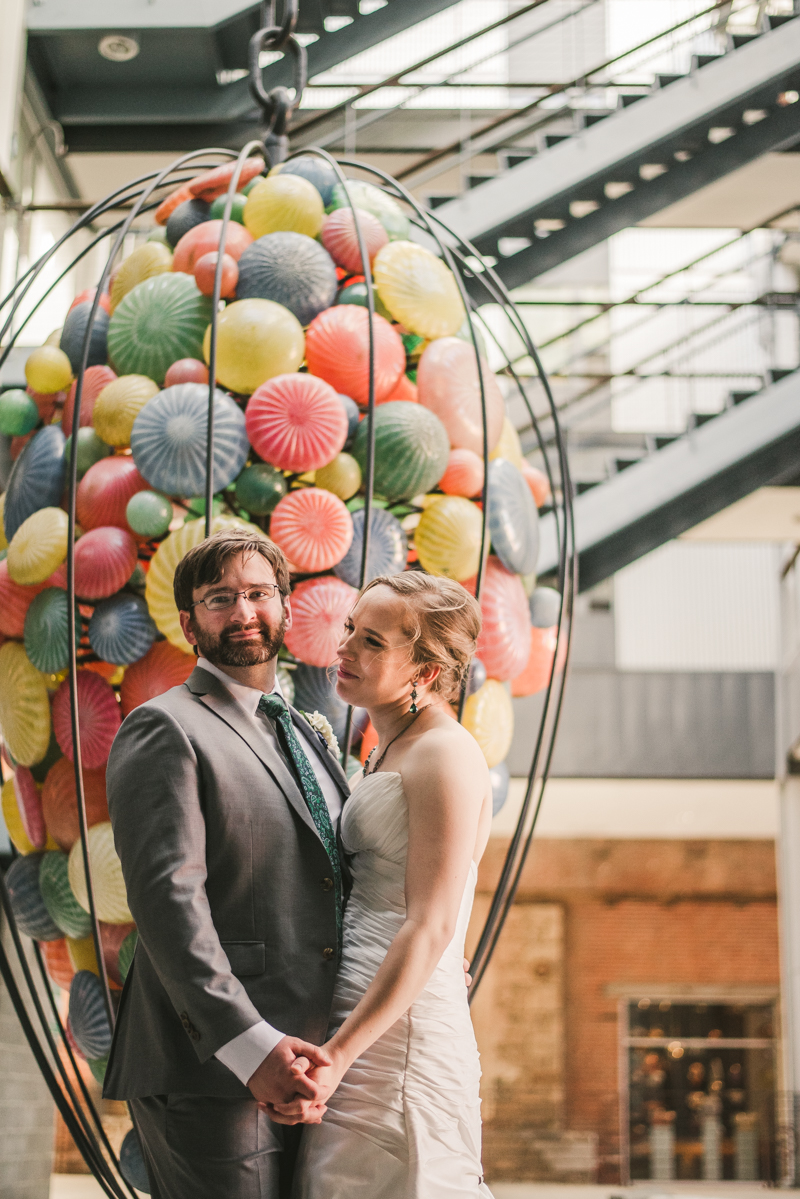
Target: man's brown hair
205	563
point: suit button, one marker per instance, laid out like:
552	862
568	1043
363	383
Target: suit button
327	954
327	884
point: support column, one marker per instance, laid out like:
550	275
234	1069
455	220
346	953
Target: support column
789	907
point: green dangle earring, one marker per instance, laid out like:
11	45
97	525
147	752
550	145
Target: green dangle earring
413	709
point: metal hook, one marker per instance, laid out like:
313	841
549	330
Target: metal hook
277	106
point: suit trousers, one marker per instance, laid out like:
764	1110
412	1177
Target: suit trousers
200	1147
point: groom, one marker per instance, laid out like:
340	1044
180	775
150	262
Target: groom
224	803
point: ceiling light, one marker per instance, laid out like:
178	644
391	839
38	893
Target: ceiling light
334	23
117	47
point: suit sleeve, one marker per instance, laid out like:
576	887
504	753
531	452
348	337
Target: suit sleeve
160	836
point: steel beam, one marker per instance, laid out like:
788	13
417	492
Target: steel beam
755	444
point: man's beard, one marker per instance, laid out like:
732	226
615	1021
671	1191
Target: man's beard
222	651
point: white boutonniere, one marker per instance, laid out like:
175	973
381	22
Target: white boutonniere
322	725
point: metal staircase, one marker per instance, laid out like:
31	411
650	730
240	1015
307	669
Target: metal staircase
622	165
753	443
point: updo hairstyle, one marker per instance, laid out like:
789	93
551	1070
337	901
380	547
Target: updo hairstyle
444	621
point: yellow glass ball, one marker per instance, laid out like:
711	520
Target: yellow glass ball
24	706
256	340
48	369
448	537
153	258
109	886
342	476
54	338
118	405
284	203
489	716
509	446
39	546
82	953
418	289
14	826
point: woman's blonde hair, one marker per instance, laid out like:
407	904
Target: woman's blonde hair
443	626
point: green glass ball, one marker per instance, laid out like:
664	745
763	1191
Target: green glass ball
90	449
248	187
18	413
237	208
159	234
259	487
149	514
356	293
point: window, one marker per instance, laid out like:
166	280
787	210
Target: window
700	1090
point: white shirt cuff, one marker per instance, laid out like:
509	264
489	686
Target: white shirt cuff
245	1053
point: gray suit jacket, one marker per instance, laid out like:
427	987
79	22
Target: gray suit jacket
229	885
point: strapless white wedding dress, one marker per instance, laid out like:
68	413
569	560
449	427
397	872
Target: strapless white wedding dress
405	1120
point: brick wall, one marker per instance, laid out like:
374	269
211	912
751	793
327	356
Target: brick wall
635	913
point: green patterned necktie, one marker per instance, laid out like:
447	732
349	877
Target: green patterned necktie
274	706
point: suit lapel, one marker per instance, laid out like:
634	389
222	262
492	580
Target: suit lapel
215	696
324	754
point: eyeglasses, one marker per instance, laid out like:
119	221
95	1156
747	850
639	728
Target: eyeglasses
222	600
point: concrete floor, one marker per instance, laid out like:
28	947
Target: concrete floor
80	1186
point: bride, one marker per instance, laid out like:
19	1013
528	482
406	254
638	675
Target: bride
403	1112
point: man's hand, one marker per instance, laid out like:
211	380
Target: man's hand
326	1078
275	1082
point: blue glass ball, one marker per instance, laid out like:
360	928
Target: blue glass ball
289	269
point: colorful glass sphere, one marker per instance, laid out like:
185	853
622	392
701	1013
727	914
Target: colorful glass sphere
47	631
118	405
449	385
315	691
98	719
337	350
161	320
60	802
464	474
204	239
29	803
57	895
18	413
256	340
296	422
342	476
162	667
340	238
105	558
36	480
15	600
411	450
313	528
367	196
316	170
504	643
205	275
109	886
489	716
27	904
259	487
153	258
545	607
419	290
319	610
185	216
513	518
104	492
217	211
169	440
94	380
24	706
448	537
186	370
537	672
90	450
88	1019
214	184
388	548
121	629
38	547
291	269
73	336
149	514
284	203
48	369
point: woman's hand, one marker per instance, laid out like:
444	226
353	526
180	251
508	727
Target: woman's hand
325	1079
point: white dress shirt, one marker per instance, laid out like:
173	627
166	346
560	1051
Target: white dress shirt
245	1053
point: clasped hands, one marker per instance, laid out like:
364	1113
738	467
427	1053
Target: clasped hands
294	1082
